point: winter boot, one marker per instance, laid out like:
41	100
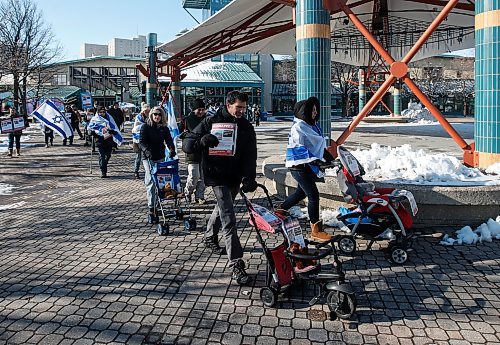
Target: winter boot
212	243
10	153
239	273
318	234
18	152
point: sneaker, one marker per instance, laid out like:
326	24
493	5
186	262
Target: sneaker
46	146
200	201
212	244
239	273
104	175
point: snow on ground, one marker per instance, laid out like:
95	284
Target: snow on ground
4	143
486	232
12	206
417	113
6	189
493	169
33	128
404	165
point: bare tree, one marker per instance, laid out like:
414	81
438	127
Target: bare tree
345	77
29	45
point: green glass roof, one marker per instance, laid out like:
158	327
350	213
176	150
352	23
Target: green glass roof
61	92
222	72
196	4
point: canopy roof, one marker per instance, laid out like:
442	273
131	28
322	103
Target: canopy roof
265	26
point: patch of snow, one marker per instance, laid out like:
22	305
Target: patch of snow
12	206
6	189
404	165
4	143
330	219
297	212
417	113
486	232
493	169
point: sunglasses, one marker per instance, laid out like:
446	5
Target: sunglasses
159	114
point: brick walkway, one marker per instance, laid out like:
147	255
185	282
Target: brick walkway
79	265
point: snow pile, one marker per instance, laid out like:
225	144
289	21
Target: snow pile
6	189
486	232
33	128
330	219
404	165
297	212
12	206
493	169
417	113
4	143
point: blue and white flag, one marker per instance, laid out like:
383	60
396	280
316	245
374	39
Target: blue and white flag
101	125
171	121
49	116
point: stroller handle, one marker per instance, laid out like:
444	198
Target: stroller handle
266	191
328	250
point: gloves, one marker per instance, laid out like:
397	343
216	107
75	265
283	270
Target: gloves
147	154
209	140
171	153
327	156
112	131
248	186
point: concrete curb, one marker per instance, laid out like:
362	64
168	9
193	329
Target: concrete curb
438	205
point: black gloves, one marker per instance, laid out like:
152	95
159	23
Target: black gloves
112	131
171	153
327	156
248	185
209	140
147	154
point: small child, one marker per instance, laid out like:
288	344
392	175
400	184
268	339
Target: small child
49	136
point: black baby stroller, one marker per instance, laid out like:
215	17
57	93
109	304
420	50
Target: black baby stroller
380	213
169	197
297	259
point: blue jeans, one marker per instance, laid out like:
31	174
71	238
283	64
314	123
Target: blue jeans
150	182
104	156
306	188
14	137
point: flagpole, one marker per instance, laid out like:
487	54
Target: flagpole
91	151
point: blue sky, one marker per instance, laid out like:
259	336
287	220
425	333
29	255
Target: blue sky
98	21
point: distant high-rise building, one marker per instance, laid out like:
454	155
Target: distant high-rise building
91	50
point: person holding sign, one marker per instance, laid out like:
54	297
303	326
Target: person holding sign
103	139
305	154
154	134
15	135
228	147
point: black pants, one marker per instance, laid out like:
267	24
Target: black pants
14	137
76	126
49	137
104	156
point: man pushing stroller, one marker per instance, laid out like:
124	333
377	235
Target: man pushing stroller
225	167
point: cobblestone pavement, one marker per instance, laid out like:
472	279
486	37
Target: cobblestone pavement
79	265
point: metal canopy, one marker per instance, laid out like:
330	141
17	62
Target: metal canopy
265	26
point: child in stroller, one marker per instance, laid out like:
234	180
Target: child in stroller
297	259
379	210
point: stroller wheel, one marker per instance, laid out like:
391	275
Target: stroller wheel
268	297
398	255
163	229
342	304
347	244
179	214
190	224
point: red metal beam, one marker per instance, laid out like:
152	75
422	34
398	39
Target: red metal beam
285	2
460	6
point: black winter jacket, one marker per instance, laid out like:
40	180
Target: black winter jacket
225	170
189	124
153	139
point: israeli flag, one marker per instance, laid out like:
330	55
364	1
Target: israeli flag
100	125
171	121
48	115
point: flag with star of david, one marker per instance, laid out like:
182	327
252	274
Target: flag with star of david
48	115
100	125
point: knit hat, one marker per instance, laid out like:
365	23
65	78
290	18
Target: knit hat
197	104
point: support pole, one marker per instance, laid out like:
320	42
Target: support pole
487	80
314	57
176	92
151	85
361	90
396	96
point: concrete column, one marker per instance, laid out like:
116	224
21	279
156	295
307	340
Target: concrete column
487	80
314	57
361	90
151	84
396	95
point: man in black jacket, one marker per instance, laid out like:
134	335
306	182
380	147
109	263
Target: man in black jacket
225	173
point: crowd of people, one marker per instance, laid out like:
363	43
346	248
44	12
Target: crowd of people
226	174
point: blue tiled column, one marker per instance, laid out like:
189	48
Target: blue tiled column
151	86
487	78
314	57
361	90
396	95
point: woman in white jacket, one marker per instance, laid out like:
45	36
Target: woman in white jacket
140	119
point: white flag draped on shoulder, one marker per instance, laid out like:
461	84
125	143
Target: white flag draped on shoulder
51	117
171	121
100	126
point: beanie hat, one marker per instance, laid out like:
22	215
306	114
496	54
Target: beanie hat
198	103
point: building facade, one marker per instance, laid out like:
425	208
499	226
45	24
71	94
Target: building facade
90	50
118	47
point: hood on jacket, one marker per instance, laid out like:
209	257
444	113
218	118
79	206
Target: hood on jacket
303	110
